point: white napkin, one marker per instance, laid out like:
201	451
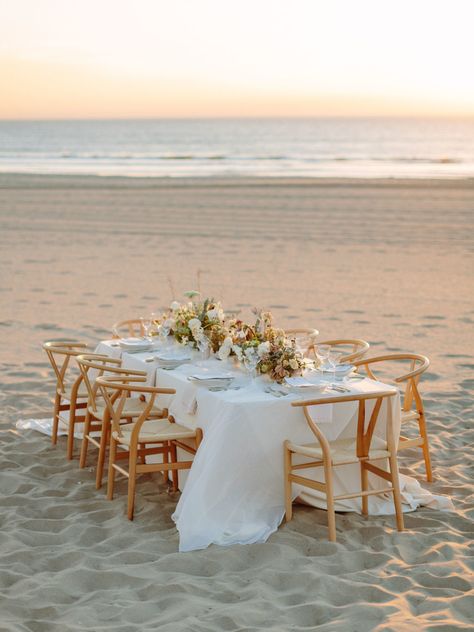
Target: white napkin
189	400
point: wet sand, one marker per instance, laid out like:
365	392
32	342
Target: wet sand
389	261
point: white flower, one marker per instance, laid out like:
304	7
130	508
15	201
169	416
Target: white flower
194	324
175	305
294	364
263	348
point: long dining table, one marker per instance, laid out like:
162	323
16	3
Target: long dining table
234	491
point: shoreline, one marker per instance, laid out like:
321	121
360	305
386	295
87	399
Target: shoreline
14	179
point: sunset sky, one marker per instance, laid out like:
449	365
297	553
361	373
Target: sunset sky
152	58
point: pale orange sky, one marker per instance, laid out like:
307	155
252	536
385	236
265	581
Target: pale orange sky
151	58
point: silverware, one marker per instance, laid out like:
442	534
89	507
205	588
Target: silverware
275	393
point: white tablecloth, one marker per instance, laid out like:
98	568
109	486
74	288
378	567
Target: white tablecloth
234	490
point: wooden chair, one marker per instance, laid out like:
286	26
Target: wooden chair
352	348
163	435
331	454
97	419
412	406
134	328
70	392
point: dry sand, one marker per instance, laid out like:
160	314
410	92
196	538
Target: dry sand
388	261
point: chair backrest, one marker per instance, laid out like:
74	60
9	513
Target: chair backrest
365	430
115	390
352	348
134	328
59	354
418	365
93	366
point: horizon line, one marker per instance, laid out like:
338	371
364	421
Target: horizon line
242	117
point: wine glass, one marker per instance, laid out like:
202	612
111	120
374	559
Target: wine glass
146	326
250	362
163	334
333	359
204	349
322	353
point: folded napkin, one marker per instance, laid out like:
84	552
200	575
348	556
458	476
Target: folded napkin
189	400
133	341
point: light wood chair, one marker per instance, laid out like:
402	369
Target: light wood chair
97	421
163	435
412	406
362	449
134	328
71	394
352	348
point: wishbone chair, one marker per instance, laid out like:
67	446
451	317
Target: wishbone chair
134	328
70	394
163	435
362	449
412	407
358	348
97	419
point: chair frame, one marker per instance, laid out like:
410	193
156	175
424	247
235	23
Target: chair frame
94	421
411	398
67	349
363	440
136	449
131	324
359	348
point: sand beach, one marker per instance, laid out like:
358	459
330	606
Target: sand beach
386	260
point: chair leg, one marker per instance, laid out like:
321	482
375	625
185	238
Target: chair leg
54	433
174	459
330	501
104	439
111	474
426	447
397	499
287	472
364	485
70	431
132	474
85	440
165	473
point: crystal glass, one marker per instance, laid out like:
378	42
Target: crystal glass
146	327
164	332
333	359
204	349
250	362
322	353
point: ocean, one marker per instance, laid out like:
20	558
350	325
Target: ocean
320	147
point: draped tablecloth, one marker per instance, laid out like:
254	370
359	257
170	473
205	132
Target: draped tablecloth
234	492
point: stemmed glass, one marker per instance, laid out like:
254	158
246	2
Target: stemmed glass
333	359
147	325
204	348
250	362
164	331
322	353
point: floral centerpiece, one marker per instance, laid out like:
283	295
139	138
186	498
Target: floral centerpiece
279	359
197	322
260	346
